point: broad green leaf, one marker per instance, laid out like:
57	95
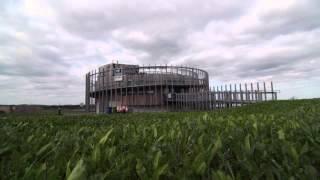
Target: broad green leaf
201	168
44	149
215	148
104	139
68	170
78	172
156	160
5	150
96	154
30	138
294	154
155	131
160	171
281	134
247	143
140	169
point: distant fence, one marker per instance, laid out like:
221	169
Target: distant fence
165	99
222	97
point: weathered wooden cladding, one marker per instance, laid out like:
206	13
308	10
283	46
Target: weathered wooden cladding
217	98
164	88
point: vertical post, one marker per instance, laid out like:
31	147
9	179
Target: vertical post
161	86
99	90
209	106
246	90
106	90
185	80
272	92
91	91
147	86
256	95
265	91
235	95
223	98
149	92
121	94
226	95
132	84
144	84
134	88
127	99
156	100
95	91
175	94
103	91
258	92
87	94
241	95
213	94
209	98
172	88
230	97
115	83
192	83
98	93
219	97
252	97
110	86
216	96
166	85
138	98
193	89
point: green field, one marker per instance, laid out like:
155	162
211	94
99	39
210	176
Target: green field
273	140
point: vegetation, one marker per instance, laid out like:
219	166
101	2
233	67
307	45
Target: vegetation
273	140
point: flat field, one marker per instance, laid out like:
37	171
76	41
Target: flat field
273	140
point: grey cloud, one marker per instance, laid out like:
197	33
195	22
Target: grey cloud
303	16
145	15
278	65
167	24
59	50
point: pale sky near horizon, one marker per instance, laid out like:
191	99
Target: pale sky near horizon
47	46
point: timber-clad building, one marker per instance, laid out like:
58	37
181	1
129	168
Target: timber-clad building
141	88
165	88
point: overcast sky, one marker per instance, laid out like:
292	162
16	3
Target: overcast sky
47	46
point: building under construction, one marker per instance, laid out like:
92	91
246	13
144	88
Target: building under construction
163	88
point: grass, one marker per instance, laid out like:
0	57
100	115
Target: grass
273	140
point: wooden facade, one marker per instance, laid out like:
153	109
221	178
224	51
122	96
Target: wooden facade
162	88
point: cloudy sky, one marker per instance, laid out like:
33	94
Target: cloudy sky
47	46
